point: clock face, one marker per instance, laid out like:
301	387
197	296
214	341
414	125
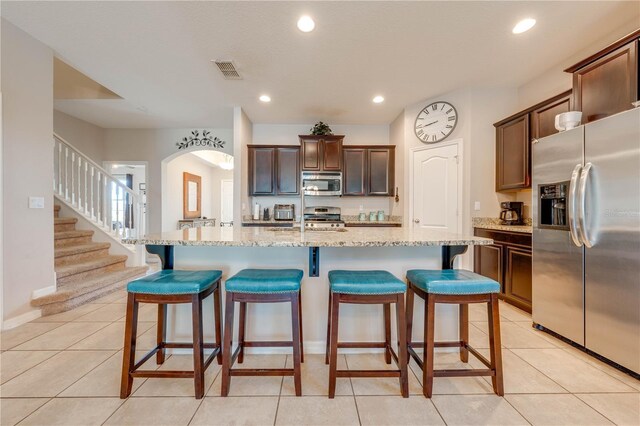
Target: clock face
435	122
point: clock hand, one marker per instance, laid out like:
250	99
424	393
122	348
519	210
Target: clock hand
433	122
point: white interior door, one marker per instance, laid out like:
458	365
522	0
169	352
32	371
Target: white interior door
436	188
226	200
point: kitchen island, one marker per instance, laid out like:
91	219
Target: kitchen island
316	253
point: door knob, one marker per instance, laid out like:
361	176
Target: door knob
416	220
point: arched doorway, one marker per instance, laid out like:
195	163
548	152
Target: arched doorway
214	170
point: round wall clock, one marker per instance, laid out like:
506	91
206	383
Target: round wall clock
435	122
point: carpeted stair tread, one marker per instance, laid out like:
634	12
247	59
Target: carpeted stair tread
89	289
64	220
79	249
72	234
88	265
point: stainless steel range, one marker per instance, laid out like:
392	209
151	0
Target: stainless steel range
322	217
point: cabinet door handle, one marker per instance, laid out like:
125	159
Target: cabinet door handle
416	220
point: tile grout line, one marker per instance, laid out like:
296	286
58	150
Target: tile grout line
30	413
594	408
353	391
275	418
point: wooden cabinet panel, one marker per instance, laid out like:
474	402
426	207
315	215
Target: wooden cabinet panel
288	171
311	153
355	171
543	118
380	171
512	154
507	261
488	261
518	277
607	85
262	166
332	155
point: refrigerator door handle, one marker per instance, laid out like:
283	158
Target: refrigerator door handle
582	206
571	207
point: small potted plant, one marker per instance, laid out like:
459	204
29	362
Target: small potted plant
321	129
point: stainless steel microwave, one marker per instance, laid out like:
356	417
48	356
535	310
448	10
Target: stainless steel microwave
322	183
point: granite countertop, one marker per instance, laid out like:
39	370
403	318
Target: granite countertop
494	223
293	237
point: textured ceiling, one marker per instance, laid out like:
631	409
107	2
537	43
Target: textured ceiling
157	55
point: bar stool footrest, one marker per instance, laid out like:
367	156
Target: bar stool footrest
367	373
261	372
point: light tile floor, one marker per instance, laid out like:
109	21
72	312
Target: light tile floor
65	369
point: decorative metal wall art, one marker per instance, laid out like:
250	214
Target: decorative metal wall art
195	139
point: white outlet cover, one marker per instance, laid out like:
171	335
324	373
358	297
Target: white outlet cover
476	205
36	202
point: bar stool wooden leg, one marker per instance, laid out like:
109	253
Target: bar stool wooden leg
327	350
130	332
198	346
387	332
241	329
402	346
300	325
495	345
227	354
409	314
217	314
161	335
429	343
464	331
296	335
333	354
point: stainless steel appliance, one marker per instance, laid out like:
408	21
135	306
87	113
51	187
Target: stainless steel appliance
322	183
284	212
586	236
511	213
322	217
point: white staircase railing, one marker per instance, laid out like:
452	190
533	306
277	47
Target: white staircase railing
93	192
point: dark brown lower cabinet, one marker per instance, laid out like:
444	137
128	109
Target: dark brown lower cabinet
508	261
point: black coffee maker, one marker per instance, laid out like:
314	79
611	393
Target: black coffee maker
511	213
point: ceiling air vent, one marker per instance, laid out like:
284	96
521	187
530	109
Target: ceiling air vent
228	70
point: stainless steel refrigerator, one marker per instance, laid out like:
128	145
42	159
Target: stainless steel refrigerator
586	236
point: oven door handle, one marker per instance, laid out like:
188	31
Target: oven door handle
571	206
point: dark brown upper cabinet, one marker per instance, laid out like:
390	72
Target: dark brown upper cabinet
543	118
368	170
274	170
262	170
321	153
288	170
606	83
513	154
380	170
514	136
354	175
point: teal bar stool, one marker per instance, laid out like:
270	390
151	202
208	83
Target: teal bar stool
262	286
457	286
167	287
367	287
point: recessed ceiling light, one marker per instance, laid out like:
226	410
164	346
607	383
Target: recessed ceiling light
524	25
306	24
265	98
378	99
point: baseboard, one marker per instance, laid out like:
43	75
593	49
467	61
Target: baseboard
21	319
43	291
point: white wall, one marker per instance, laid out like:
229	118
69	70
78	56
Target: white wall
397	138
242	136
287	134
157	147
27	118
86	137
477	110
